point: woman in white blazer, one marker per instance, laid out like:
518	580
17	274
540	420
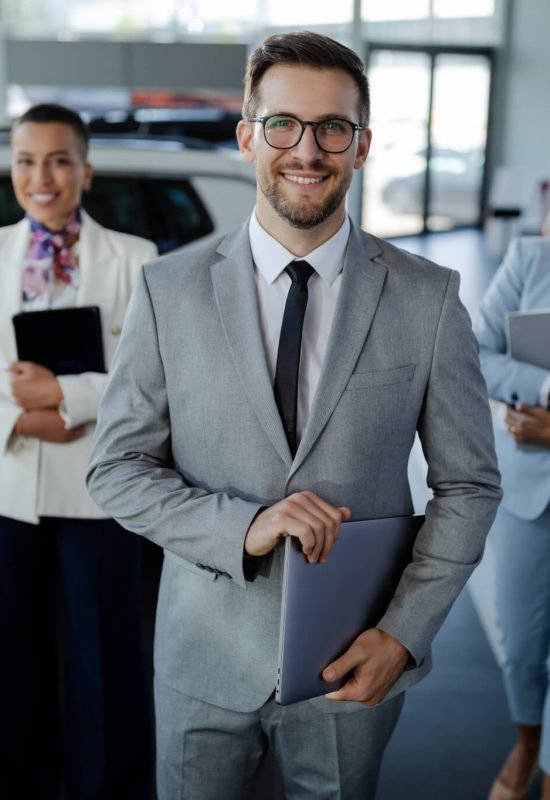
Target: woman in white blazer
522	527
57	549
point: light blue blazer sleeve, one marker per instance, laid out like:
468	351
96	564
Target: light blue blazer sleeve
521	283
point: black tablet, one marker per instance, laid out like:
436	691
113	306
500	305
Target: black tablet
66	340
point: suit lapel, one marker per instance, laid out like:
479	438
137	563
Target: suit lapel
97	266
235	293
362	282
12	255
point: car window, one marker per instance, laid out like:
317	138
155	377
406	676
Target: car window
166	210
176	212
10	210
118	203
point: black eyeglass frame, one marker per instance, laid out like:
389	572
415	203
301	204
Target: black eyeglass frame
314	125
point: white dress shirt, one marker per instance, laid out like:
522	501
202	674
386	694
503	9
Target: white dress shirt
272	286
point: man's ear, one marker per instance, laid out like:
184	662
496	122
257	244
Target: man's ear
363	147
245	138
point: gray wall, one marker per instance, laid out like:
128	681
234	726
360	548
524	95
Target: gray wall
522	108
520	134
143	65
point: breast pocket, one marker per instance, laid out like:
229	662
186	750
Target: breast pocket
381	377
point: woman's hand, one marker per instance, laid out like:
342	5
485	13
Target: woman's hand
34	386
528	424
47	425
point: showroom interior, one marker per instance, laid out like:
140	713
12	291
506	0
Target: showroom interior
459	165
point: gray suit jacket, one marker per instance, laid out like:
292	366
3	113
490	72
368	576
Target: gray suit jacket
190	446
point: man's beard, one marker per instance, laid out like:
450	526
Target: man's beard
301	215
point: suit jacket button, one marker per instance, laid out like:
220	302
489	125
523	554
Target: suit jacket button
115	330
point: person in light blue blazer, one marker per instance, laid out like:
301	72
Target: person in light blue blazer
522	526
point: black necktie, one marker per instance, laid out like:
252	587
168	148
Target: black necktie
290	343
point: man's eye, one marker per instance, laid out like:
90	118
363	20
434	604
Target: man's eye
281	122
333	126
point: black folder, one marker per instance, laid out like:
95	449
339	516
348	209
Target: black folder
66	340
326	606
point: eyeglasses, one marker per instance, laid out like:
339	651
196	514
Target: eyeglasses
283	132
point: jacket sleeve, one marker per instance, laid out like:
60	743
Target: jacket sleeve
456	434
504	375
9	411
81	396
131	473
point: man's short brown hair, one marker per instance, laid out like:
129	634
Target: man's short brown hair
304	49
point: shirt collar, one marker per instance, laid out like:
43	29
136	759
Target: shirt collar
271	257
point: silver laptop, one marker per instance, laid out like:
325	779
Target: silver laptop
326	606
528	334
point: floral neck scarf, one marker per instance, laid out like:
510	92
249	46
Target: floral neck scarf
49	258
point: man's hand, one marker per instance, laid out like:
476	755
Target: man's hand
34	386
375	661
304	515
47	425
529	424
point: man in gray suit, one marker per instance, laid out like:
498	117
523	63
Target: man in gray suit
200	449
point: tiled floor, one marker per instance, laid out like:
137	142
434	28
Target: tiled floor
466	251
455	730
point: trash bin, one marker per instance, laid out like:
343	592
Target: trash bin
501	225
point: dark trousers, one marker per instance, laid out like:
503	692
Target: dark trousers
88	659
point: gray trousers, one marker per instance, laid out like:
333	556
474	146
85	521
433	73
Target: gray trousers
206	753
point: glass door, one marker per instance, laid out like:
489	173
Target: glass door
460	105
393	196
425	171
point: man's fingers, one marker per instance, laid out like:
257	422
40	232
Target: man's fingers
339	668
372	665
352	689
313	533
315	523
303	515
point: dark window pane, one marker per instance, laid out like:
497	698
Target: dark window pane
176	212
118	203
166	210
10	210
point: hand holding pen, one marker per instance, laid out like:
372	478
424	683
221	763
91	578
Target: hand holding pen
527	424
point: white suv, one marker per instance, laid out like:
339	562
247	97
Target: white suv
157	189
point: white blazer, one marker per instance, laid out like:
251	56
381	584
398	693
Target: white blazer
30	469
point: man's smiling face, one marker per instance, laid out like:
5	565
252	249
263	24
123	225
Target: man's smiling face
304	186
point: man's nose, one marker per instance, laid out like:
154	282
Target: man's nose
307	147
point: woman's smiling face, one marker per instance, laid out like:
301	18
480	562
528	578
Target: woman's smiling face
49	171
